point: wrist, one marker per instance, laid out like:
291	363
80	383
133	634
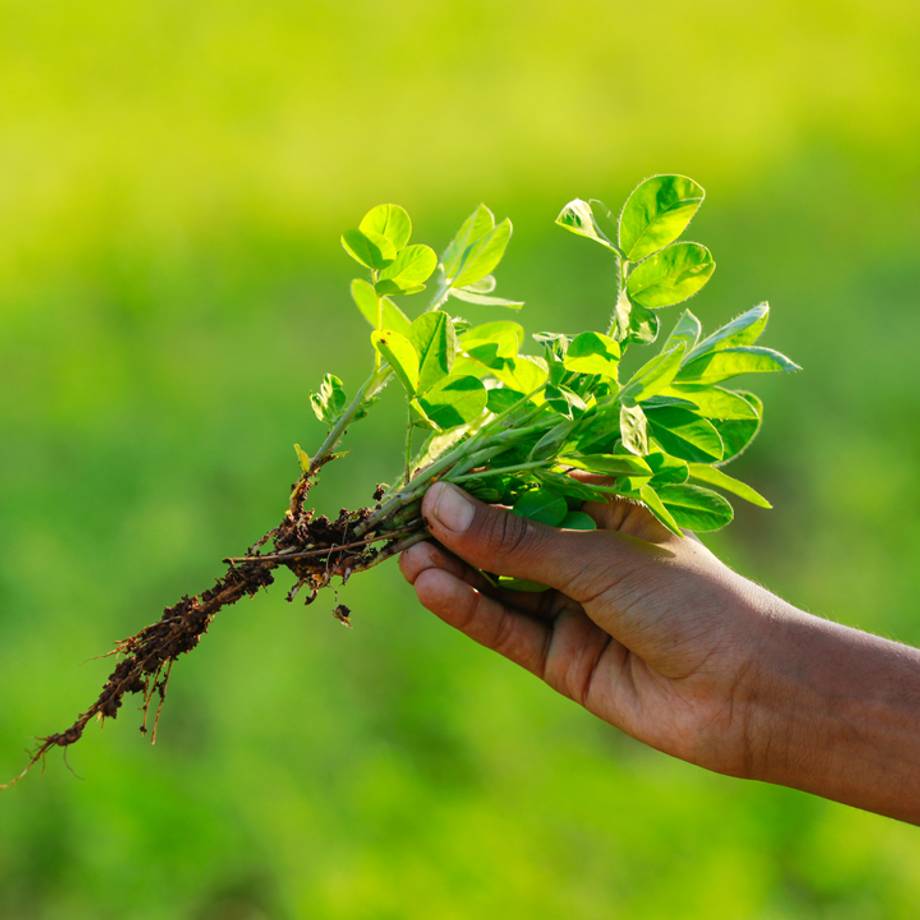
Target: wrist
789	708
834	712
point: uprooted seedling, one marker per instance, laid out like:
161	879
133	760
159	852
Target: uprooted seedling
507	426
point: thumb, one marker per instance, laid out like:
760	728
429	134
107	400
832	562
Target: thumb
577	563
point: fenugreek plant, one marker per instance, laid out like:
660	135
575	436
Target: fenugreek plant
508	426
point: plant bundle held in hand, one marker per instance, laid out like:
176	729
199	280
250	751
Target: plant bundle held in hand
508	426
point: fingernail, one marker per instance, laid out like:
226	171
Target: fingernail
452	509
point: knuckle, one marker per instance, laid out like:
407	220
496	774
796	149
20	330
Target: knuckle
502	632
506	534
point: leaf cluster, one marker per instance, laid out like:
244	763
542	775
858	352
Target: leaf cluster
512	420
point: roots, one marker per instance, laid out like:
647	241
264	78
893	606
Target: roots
314	549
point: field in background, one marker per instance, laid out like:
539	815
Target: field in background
173	180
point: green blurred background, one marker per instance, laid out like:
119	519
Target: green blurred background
173	180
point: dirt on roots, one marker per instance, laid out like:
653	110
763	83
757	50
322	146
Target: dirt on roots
313	547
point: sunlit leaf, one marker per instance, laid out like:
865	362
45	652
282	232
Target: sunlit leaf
667	469
388	222
634	429
303	458
685	435
329	400
484	255
485	300
649	497
714	402
745	329
400	354
525	373
716	366
686	332
592	353
578	217
696	508
670	276
612	465
500	399
454	401
409	271
655	375
374	254
473	229
656	213
700	472
737	434
379	311
433	337
493	343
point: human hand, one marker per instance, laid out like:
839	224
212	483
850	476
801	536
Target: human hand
655	635
649	632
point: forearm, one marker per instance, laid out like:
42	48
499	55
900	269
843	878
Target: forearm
837	713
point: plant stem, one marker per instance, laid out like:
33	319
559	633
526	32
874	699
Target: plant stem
500	470
327	448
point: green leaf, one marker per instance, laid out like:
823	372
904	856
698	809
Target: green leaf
578	520
713	476
482	286
667	469
329	401
388	223
500	399
493	343
409	271
373	254
655	375
634	429
400	354
473	229
715	402
737	434
656	213
485	300
696	508
434	340
507	583
369	303
484	255
685	435
552	441
686	332
716	366
592	353
564	400
543	506
303	458
670	276
578	217
742	330
563	484
454	401
608	464
649	498
525	373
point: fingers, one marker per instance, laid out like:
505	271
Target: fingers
484	619
578	563
543	604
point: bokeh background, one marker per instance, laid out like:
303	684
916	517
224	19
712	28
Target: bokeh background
173	180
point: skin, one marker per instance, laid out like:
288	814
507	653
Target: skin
658	637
